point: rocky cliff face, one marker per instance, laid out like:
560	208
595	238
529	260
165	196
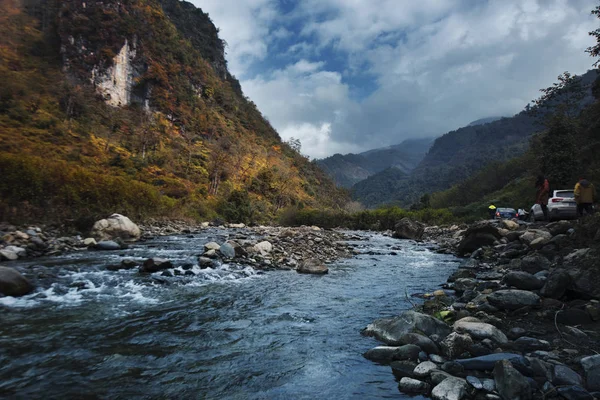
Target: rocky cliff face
116	82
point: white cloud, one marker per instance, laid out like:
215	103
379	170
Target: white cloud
436	64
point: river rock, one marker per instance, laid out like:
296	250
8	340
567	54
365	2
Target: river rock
510	384
12	283
565	376
534	263
510	225
312	266
212	246
523	280
90	242
575	393
438	376
585	282
424	369
556	284
424	343
456	344
533	234
403	368
408	229
475	382
115	226
413	386
559	227
155	264
205	262
487	362
450	389
107	245
527	344
480	330
8	255
227	250
383	354
263	247
390	330
591	368
513	299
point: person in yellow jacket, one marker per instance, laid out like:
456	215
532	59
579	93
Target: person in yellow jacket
585	196
492	211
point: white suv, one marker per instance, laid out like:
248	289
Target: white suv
561	205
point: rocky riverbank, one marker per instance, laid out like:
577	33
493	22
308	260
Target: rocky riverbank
304	249
519	319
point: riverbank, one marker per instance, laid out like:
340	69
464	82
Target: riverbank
521	316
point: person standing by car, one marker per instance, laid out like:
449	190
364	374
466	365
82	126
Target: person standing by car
543	190
492	211
585	196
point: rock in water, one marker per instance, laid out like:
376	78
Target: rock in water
107	245
115	226
409	229
391	330
155	265
409	385
12	283
510	383
227	250
312	266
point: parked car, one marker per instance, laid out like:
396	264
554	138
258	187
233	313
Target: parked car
506	213
561	205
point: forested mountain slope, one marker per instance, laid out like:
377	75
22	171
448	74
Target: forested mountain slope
129	107
459	154
349	169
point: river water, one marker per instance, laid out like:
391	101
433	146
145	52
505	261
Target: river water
225	333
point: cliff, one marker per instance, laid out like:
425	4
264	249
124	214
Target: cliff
128	106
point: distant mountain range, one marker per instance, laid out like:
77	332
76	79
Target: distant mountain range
348	169
456	156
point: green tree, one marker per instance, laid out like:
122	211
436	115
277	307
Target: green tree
594	51
558	156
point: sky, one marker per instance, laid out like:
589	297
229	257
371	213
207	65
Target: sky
351	75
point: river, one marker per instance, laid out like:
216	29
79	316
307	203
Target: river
225	333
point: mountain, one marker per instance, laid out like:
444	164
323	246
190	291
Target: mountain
459	154
484	121
346	170
129	107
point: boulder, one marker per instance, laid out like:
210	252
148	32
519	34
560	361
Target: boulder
89	242
523	280
480	330
205	262
155	264
585	282
450	389
424	343
8	255
403	368
227	250
477	236
591	368
533	234
408	229
556	284
413	386
487	363
475	382
390	330
263	247
212	246
527	344
12	283
510	225
456	344
565	376
312	266
424	369
438	376
382	354
534	263
115	226
510	384
513	299
575	393
407	352
559	227
107	245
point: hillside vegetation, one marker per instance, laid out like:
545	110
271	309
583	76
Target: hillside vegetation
182	141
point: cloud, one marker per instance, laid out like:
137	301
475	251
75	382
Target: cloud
345	75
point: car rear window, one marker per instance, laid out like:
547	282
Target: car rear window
565	193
